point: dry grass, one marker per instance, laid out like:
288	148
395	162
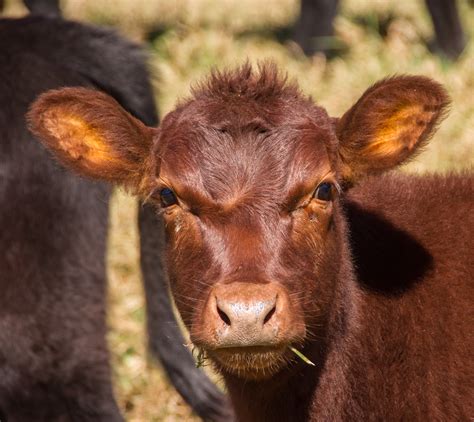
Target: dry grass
199	34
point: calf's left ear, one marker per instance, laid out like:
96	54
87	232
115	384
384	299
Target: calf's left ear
388	124
90	133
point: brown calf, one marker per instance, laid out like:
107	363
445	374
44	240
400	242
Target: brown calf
282	233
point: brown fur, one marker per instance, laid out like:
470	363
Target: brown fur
379	275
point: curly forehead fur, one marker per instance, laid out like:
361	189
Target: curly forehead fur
246	132
239	96
264	83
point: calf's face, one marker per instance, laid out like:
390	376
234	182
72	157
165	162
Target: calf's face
248	206
248	175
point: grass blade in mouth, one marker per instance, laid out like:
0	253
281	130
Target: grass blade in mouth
200	358
301	356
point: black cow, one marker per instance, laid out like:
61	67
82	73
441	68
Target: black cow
54	363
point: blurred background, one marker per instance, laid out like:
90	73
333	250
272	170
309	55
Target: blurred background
185	39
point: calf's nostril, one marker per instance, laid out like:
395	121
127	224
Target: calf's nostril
270	313
223	316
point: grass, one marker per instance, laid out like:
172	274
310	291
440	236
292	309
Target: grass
185	39
301	356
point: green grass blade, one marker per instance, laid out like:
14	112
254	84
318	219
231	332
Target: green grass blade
301	356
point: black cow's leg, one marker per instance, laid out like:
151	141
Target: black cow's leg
450	38
315	25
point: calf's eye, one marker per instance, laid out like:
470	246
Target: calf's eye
324	192
167	197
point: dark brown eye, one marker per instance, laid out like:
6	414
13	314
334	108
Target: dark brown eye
167	197
324	192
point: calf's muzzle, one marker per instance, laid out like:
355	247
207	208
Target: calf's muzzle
238	315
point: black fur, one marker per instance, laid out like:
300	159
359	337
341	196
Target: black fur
43	7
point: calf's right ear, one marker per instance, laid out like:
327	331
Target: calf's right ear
89	132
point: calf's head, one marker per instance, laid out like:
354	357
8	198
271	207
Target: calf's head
248	176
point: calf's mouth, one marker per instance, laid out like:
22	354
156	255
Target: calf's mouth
250	362
246	328
257	362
